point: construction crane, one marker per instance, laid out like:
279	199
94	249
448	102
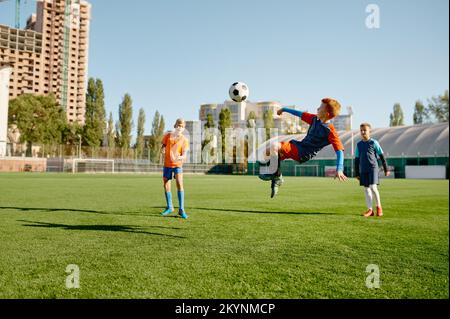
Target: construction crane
17	13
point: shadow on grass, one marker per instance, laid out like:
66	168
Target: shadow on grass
112	228
42	209
253	211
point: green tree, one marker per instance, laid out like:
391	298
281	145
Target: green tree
438	107
209	121
268	122
209	124
420	113
94	127
224	123
160	135
110	134
396	117
40	119
125	121
251	120
161	128
72	133
117	134
140	133
156	136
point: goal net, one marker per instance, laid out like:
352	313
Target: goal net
90	165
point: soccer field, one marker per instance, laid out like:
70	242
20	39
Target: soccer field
308	242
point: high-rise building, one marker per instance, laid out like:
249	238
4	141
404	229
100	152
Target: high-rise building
51	55
193	130
342	122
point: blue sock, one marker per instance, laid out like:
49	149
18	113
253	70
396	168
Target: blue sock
181	199
169	200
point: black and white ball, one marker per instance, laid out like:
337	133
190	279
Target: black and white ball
238	91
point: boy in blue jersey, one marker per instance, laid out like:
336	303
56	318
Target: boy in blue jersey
320	134
366	168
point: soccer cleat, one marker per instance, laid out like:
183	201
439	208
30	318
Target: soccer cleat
167	211
183	214
368	213
379	211
277	181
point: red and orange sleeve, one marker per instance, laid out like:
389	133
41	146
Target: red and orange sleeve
334	139
308	117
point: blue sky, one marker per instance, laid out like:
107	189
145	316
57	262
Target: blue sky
173	55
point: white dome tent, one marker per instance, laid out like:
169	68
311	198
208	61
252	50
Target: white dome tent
426	144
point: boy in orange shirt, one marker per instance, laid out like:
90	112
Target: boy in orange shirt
174	145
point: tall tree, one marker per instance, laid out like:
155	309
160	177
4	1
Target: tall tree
111	135
209	124
39	119
209	121
125	121
420	113
117	138
160	135
396	117
438	107
94	127
140	133
268	122
72	133
251	120
156	135
161	128
224	123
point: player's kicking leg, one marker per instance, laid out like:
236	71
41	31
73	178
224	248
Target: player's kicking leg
270	168
277	180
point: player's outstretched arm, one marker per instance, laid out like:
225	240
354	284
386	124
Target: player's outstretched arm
341	176
290	111
340	166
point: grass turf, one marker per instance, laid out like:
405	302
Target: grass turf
308	242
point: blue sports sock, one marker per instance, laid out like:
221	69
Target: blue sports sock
169	200
181	199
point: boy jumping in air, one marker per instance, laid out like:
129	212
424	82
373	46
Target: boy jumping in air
320	134
366	168
174	146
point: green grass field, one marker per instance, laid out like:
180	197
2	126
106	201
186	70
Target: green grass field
308	242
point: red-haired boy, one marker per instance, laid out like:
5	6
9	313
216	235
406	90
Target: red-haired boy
320	134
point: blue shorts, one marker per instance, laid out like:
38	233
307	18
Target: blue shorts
169	172
370	178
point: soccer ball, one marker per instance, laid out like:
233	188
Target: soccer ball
238	91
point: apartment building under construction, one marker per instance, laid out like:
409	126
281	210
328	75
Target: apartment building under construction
51	54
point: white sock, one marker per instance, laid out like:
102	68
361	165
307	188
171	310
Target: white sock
369	197
375	191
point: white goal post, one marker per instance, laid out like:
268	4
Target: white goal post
306	170
92	165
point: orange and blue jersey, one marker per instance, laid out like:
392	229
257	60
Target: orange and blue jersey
174	146
319	135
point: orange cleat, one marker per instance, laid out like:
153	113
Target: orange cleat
368	213
379	211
